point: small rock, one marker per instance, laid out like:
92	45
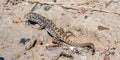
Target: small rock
25	53
63	14
102	28
81	10
41	43
17	19
24	40
54	0
112	53
98	19
86	17
43	58
31	43
71	48
8	9
47	44
41	54
106	57
1	58
47	7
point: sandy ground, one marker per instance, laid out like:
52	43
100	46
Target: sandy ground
99	25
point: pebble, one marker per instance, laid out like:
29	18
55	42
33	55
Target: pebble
24	40
86	17
81	10
31	43
41	54
47	44
98	19
43	58
16	20
112	53
63	14
71	48
1	58
40	42
106	57
25	53
103	28
54	0
47	7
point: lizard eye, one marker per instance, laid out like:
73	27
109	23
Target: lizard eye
27	16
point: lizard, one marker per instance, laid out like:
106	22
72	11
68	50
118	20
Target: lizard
58	34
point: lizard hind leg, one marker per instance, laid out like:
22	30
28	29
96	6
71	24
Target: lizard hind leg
89	47
92	49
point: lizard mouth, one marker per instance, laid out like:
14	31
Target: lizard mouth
31	22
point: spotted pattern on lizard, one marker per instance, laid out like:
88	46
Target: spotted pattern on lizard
58	34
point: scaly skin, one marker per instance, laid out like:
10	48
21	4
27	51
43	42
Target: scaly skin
57	33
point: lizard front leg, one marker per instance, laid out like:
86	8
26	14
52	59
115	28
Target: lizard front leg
41	26
69	33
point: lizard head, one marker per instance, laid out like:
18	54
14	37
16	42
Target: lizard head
36	18
32	17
